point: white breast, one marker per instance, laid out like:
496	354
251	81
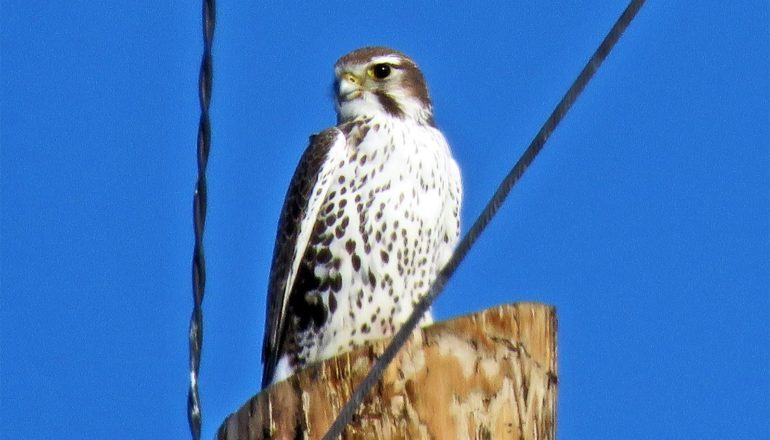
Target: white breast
403	194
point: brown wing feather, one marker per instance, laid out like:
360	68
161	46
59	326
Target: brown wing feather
287	248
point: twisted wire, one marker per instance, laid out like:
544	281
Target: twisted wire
422	306
195	334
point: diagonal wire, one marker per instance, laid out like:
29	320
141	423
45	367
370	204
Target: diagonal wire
195	334
374	375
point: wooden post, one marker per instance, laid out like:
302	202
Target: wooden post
491	375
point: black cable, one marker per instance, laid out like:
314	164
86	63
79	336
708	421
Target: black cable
422	306
195	334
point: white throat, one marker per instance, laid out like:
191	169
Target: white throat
368	105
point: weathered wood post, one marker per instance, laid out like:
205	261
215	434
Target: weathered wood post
491	375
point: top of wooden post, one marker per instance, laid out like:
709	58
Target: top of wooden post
490	375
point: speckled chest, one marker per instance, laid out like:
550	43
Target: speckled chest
379	238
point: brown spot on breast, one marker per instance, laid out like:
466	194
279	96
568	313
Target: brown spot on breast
324	255
336	283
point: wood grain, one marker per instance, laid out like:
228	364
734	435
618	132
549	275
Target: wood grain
490	375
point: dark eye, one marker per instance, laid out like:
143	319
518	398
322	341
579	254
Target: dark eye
381	71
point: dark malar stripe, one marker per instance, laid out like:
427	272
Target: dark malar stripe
389	104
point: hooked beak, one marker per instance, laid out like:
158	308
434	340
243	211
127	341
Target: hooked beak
349	87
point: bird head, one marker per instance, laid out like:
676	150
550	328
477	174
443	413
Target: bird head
379	80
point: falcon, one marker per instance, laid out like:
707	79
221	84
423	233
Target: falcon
370	217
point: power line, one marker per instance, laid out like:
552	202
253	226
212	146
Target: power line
422	306
195	334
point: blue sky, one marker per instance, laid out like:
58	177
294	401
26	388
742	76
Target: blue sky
645	221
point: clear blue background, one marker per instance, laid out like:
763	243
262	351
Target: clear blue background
646	220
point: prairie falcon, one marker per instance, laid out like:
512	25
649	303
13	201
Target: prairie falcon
370	217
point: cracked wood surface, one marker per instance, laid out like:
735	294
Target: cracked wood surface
490	375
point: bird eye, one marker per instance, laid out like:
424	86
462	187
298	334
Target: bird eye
381	71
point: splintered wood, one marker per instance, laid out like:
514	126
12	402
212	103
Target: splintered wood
491	375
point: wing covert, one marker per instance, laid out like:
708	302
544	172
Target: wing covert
304	197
